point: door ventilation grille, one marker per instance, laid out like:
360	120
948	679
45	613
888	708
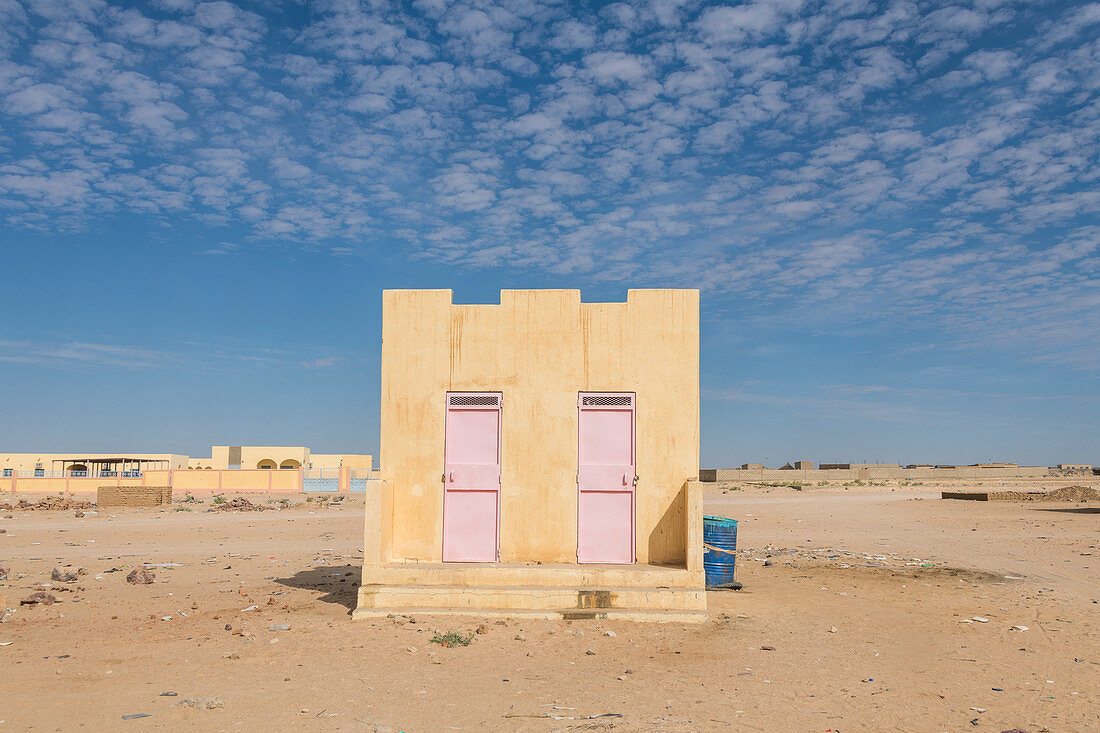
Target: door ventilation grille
621	400
480	400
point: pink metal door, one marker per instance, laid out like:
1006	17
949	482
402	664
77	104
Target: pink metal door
471	477
605	478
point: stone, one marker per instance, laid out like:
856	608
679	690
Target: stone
521	637
483	629
612	634
63	576
39	598
141	576
591	652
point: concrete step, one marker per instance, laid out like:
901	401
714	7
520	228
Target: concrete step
557	599
553	575
614	614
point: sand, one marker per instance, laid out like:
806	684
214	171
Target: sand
860	608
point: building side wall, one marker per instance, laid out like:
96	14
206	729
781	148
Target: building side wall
539	348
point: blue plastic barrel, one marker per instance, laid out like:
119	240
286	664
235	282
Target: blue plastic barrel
720	551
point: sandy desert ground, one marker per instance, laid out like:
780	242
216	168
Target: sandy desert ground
854	617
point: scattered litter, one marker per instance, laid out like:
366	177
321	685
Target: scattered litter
250	608
562	717
133	716
978	710
237	505
169	694
165	618
163	564
49	503
1019	628
279	627
832	629
980	619
6	643
201	703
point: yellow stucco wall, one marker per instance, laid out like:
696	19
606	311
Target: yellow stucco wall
539	348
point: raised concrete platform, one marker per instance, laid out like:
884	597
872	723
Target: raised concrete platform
553	591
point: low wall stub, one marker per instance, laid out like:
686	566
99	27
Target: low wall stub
133	496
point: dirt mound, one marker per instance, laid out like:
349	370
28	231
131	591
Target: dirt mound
1073	493
238	505
49	503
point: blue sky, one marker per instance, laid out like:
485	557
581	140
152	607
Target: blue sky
890	209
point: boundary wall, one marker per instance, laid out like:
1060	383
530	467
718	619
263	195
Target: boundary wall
182	481
874	473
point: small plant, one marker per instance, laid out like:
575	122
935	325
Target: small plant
190	498
309	498
822	483
452	639
181	509
219	499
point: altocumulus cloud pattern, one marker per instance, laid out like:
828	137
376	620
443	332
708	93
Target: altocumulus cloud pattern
850	160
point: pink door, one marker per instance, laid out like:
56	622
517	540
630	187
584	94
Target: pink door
471	477
605	478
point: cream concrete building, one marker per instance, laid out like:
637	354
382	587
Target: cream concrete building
283	457
129	465
87	464
538	457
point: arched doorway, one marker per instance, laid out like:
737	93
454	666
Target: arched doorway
266	463
290	463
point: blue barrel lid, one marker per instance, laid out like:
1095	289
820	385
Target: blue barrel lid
712	519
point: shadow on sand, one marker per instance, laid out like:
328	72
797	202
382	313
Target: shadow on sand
1075	510
339	583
